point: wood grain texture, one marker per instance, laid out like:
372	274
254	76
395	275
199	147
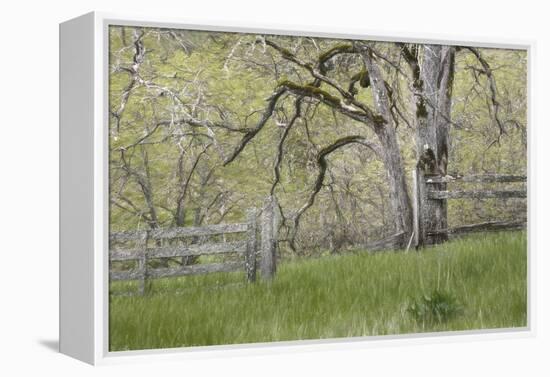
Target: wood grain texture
477	194
196	269
416	207
248	248
490	226
251	246
129	235
197	249
422	203
208	230
167	233
429	188
136	274
393	242
477	178
126	254
267	263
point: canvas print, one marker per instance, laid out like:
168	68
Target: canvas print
269	188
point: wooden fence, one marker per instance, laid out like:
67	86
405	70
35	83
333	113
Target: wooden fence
430	190
247	249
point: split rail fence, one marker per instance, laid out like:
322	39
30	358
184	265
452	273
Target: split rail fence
248	249
429	190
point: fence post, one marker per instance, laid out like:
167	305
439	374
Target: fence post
419	210
269	225
429	214
440	206
415	208
251	246
142	263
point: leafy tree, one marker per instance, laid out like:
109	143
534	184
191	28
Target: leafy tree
206	124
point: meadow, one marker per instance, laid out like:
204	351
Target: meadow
477	282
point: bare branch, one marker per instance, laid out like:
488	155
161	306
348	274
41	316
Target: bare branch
184	183
250	133
133	71
492	87
279	157
318	75
322	166
336	103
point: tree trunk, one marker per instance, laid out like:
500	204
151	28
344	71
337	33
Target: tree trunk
433	114
391	154
436	73
397	184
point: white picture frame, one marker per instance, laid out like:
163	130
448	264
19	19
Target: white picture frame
84	265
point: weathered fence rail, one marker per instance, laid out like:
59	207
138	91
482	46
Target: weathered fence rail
248	249
477	178
479	194
490	226
429	190
392	242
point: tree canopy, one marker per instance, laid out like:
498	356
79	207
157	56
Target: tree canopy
205	125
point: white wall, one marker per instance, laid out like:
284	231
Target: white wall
29	183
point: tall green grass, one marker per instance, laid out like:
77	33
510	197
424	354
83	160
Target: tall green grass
477	282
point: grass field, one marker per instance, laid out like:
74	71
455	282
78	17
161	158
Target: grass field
477	282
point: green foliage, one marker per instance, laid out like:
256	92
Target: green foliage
334	297
436	307
226	78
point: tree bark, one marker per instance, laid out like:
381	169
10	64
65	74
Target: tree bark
433	90
391	154
436	75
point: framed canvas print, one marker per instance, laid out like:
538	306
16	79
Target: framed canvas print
225	186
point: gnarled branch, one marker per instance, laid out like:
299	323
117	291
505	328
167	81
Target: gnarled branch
322	166
320	77
492	87
250	133
334	102
278	160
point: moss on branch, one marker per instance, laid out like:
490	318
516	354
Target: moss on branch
338	49
311	91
